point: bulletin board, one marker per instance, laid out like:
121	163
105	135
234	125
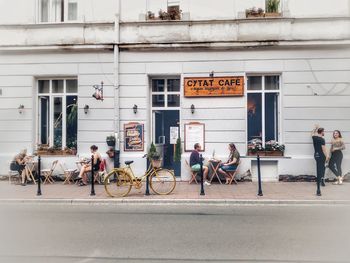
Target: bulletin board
194	133
133	137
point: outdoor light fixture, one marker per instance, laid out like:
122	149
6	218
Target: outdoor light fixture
211	74
135	108
98	94
20	108
192	108
86	109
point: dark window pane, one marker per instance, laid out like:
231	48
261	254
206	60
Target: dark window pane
254	116
44	12
254	83
44	86
271	117
57	86
44	118
72	122
158	100
158	85
72	86
272	82
57	125
174	100
173	85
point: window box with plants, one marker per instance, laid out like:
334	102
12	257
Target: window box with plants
272	148
272	8
173	13
254	12
46	150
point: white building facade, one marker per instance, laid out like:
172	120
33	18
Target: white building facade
296	71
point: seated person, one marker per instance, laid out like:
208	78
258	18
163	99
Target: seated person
195	163
19	163
232	162
87	167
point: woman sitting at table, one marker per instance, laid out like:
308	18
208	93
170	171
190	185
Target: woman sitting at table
232	162
87	167
19	163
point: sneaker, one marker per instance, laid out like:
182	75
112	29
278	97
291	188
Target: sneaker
340	180
318	193
207	183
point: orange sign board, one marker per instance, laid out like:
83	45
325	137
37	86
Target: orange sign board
214	87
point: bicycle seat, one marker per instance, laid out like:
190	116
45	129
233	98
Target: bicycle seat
128	162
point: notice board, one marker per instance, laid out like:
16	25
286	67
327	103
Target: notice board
232	86
194	133
133	137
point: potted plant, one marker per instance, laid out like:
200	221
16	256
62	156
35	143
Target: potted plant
110	140
154	156
177	158
272	8
273	148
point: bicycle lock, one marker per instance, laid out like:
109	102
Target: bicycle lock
38	193
92	177
260	193
201	165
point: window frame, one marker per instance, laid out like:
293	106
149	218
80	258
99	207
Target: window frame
263	91
51	97
51	19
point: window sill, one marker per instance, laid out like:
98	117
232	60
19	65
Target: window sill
55	153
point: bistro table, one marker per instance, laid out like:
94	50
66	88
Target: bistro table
214	165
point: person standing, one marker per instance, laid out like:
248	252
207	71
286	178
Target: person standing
320	156
337	146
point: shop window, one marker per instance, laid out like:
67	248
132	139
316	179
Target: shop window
263	108
58	115
58	10
165	93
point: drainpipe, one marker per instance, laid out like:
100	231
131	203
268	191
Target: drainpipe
116	76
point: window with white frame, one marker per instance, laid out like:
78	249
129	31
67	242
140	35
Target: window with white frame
58	113
58	10
263	107
165	93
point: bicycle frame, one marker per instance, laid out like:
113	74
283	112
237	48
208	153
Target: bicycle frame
128	169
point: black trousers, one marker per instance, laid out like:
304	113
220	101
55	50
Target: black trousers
320	168
335	163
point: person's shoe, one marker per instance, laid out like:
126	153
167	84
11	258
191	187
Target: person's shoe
336	181
318	193
207	183
323	182
23	184
340	180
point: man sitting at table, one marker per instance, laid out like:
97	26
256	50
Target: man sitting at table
195	163
232	162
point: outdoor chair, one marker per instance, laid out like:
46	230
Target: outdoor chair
193	174
232	174
14	175
99	175
47	173
68	174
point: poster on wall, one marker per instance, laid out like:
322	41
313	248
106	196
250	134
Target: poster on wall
174	134
133	137
194	133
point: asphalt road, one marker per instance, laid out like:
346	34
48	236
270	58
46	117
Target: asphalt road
157	233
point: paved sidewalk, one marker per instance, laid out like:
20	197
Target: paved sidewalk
245	192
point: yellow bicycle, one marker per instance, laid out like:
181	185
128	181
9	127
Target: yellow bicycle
119	181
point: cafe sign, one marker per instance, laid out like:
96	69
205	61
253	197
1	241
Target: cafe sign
214	87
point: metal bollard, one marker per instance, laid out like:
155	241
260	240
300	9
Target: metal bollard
148	165
201	164
147	186
260	193
39	176
92	177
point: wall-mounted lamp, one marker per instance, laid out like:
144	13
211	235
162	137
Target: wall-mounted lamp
211	74
86	109
135	108
192	108
20	108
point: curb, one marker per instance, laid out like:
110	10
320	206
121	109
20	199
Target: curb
218	202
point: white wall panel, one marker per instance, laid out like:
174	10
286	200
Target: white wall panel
96	125
133	79
316	114
308	125
24	125
316	101
133	91
317	76
163	68
217	66
318	88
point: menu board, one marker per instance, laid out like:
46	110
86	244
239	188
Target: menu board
174	134
133	137
194	133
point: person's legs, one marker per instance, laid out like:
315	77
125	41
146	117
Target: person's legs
320	173
23	174
205	173
332	165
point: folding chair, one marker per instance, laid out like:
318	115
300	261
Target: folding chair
232	174
193	174
14	175
99	175
68	174
47	173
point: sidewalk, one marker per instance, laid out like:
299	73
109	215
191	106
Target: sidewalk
243	193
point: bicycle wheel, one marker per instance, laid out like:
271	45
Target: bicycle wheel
162	181
118	184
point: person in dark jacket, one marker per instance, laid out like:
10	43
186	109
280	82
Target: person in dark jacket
195	163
